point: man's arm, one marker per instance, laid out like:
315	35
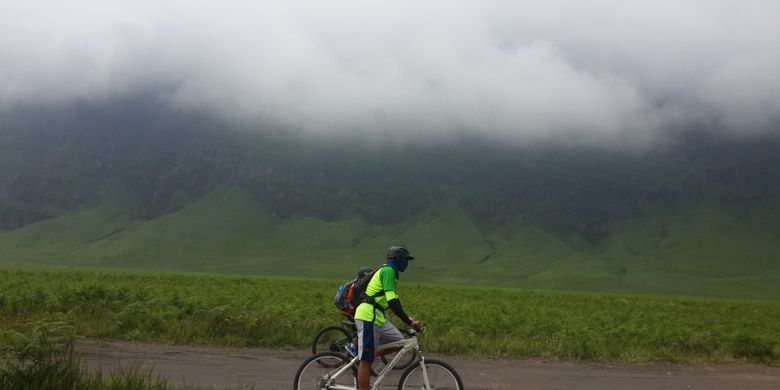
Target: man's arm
388	283
395	306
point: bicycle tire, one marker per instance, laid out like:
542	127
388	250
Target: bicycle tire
405	361
314	371
440	375
332	338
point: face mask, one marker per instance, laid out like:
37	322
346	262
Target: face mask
402	264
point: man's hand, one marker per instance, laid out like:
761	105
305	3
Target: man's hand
416	324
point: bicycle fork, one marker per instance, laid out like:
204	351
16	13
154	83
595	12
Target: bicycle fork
424	373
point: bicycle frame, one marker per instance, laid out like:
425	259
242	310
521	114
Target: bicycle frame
406	346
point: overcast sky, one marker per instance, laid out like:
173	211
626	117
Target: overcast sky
595	71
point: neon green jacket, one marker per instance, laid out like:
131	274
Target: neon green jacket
383	280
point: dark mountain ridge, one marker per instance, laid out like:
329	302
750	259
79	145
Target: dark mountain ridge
136	185
56	160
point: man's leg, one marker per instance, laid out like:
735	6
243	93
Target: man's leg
364	375
366	350
387	333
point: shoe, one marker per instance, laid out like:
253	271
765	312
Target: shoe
351	349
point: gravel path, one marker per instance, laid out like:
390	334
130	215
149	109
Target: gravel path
270	369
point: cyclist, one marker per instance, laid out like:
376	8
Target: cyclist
352	346
373	328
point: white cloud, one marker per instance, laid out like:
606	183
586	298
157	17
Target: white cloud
595	71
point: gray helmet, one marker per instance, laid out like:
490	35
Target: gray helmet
399	251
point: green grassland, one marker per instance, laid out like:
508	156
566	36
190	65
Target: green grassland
474	321
707	251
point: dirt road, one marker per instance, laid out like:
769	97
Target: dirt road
267	369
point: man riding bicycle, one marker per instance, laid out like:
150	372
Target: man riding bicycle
373	327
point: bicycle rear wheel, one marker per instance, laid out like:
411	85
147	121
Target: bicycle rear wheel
333	339
441	376
316	372
406	360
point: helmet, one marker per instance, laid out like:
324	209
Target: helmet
399	251
363	271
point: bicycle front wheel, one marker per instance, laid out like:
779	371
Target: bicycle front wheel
317	372
441	376
332	338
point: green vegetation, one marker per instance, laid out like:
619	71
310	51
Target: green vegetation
703	251
43	358
138	186
475	321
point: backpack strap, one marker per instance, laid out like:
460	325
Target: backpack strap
380	293
371	299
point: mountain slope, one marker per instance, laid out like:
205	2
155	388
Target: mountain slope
128	183
699	251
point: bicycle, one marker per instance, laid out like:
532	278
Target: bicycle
334	371
335	338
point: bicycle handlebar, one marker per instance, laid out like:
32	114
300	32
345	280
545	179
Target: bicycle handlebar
414	331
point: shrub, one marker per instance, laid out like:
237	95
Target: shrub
43	358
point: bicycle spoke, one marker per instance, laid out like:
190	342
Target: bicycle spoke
440	377
332	339
318	372
406	359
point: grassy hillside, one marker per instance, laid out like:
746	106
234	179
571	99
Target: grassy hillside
692	251
138	186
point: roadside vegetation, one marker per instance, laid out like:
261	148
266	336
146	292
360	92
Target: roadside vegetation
473	321
43	358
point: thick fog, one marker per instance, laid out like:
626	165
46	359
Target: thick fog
596	72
